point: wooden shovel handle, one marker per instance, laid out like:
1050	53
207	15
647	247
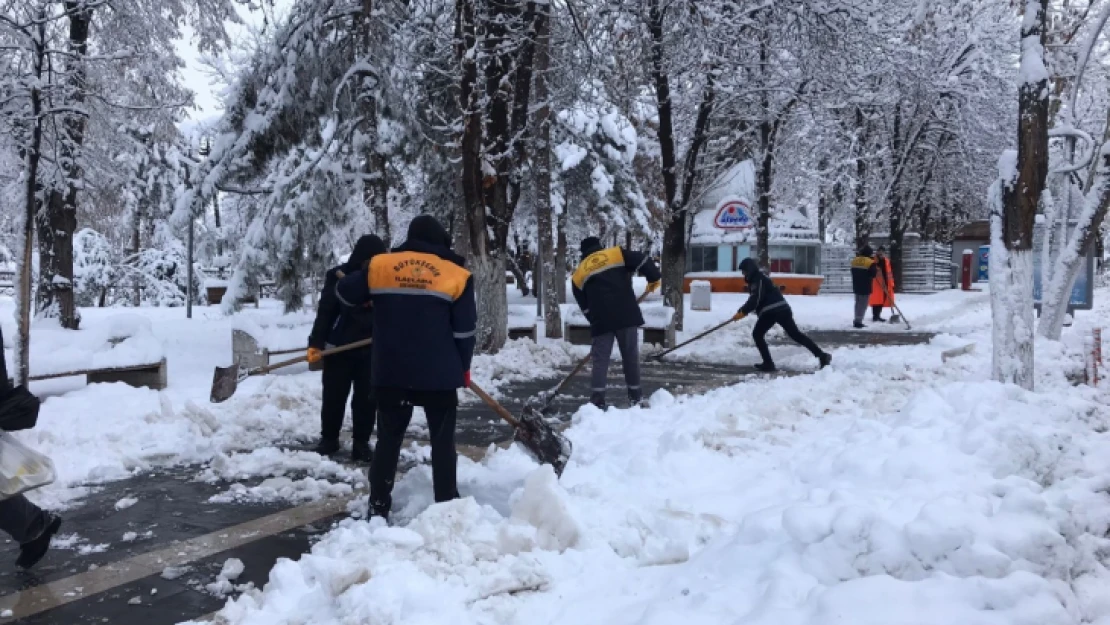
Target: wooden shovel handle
493	403
327	352
687	342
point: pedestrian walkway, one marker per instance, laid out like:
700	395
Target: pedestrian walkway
122	582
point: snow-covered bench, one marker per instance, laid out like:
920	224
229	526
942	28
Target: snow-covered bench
658	328
254	345
122	350
522	323
215	290
658	325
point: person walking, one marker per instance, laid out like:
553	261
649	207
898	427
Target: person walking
863	274
27	524
347	373
602	286
766	300
425	319
882	288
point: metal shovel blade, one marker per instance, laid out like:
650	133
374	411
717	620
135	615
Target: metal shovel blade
225	380
547	445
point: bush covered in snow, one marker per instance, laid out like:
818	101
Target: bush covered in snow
96	267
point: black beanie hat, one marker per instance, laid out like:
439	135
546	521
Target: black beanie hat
366	248
748	267
589	245
427	229
866	251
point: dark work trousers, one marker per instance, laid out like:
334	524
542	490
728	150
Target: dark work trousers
394	414
342	372
876	313
784	317
602	350
21	519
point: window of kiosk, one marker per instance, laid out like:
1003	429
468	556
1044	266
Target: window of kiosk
805	260
782	259
703	258
725	260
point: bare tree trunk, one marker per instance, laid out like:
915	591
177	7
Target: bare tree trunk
674	236
547	259
58	224
1017	196
822	201
561	256
32	157
863	215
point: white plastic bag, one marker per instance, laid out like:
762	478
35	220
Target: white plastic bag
22	468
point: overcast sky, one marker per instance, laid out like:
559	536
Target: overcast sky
197	77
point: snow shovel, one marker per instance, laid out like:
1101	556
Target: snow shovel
895	318
225	380
660	355
537	406
547	445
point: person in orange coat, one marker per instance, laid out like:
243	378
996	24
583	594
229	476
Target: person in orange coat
882	288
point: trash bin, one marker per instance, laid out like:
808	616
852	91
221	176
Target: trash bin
701	295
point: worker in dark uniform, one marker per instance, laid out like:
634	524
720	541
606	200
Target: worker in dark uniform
27	524
425	320
767	302
337	325
602	286
864	271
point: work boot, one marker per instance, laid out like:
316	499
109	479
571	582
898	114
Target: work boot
878	319
598	399
379	508
33	550
825	359
327	446
636	398
361	452
766	367
858	324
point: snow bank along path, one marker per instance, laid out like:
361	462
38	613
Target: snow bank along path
889	489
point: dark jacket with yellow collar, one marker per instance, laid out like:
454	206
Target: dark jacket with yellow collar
602	286
425	315
863	272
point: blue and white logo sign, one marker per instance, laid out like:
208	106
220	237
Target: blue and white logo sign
734	214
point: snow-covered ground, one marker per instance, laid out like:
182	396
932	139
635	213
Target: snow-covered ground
890	488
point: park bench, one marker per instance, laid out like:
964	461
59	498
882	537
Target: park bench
522	323
151	375
118	349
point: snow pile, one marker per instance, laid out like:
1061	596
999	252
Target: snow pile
518	361
326	478
230	572
888	489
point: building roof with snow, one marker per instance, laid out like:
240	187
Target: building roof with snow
726	216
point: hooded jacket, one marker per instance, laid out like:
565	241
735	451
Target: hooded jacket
424	311
763	295
602	286
335	323
864	270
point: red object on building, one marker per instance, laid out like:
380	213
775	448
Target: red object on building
965	270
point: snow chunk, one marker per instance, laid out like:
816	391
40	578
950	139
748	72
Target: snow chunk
544	505
126	503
